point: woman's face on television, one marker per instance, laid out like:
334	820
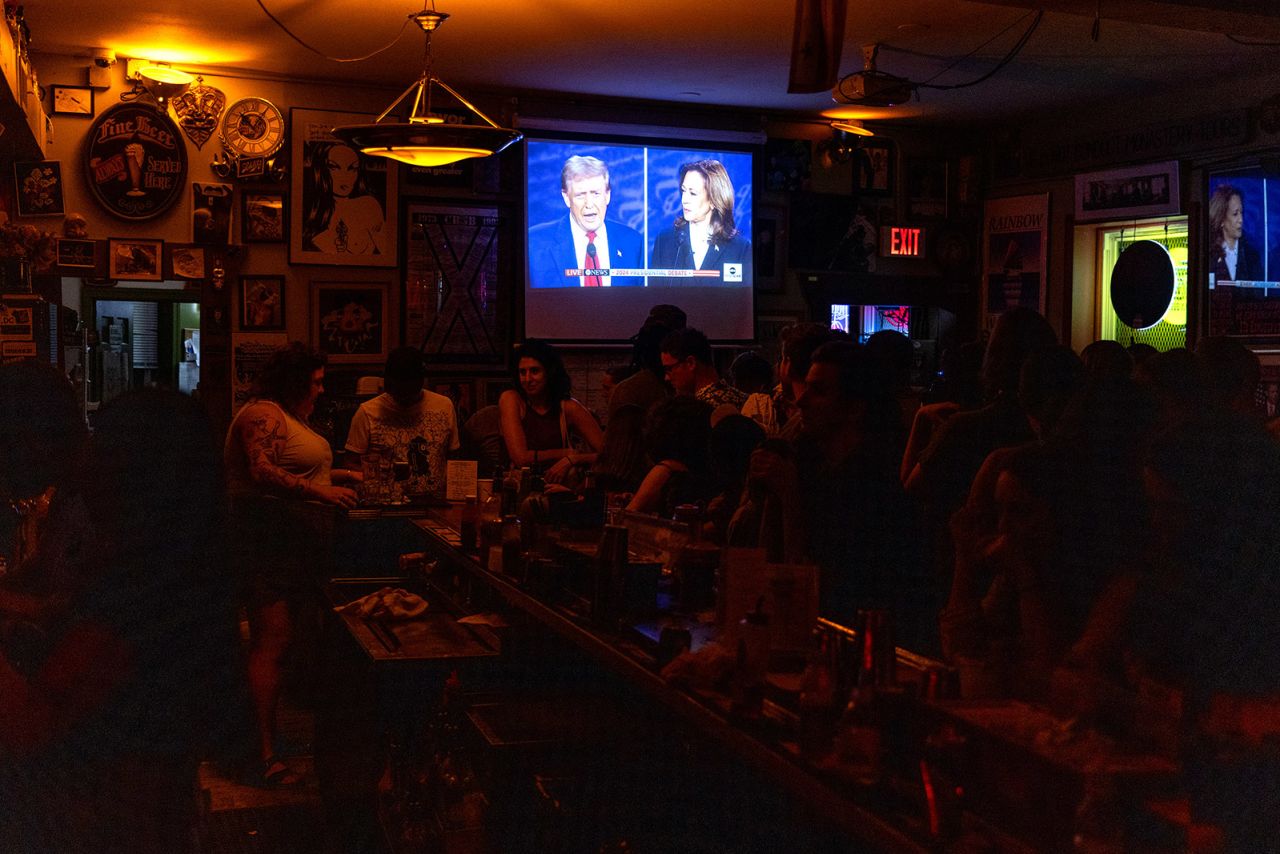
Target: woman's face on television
533	377
693	198
1233	225
344	169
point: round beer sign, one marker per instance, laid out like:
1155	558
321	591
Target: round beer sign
135	161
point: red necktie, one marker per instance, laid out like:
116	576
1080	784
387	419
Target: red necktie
592	262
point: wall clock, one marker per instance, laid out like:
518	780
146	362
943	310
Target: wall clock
252	127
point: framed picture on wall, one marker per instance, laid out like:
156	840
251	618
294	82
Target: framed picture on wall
349	321
262	217
39	187
76	254
134	259
926	187
453	305
262	303
461	390
1134	191
71	100
875	167
344	202
186	261
770	241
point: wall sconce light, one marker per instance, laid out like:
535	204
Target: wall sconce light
164	83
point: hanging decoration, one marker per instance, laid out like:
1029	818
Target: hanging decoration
198	110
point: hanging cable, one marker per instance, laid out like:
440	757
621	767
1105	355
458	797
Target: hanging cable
1008	57
1250	44
968	55
324	55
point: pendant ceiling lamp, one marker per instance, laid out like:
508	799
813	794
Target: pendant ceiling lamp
425	139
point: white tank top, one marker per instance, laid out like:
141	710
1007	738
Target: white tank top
306	453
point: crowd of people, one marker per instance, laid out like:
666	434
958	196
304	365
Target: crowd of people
1084	530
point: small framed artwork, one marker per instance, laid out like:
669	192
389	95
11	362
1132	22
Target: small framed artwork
1134	191
39	185
461	390
491	388
72	100
770	240
76	254
186	261
349	321
262	303
262	217
134	259
926	187
875	167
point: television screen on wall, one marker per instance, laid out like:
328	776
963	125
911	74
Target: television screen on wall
1242	254
617	225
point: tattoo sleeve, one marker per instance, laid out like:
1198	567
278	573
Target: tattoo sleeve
262	435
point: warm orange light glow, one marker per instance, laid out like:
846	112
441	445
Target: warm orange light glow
426	155
857	113
185	49
852	127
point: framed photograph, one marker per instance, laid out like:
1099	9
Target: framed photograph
461	390
262	217
345	203
186	261
453	305
770	241
39	187
1134	191
768	326
875	167
349	321
926	188
491	388
71	100
262	303
210	214
135	260
76	254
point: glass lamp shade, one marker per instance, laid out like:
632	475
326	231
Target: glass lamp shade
427	144
851	127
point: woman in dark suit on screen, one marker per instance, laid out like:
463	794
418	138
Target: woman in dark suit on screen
704	236
1231	258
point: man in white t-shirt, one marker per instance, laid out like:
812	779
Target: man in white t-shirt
411	424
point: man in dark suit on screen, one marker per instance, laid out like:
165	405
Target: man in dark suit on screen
584	239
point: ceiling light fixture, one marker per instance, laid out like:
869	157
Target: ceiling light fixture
425	139
853	127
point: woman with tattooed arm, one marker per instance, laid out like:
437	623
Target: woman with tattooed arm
284	492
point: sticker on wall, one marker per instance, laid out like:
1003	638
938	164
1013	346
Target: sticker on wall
199	109
135	161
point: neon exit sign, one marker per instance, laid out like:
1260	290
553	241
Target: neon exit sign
901	242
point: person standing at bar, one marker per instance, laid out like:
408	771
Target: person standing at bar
283	492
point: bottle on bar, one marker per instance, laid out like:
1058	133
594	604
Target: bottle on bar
467	526
512	547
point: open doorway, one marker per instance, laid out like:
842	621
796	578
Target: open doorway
142	338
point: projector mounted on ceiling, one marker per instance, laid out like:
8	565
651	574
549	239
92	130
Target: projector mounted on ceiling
870	87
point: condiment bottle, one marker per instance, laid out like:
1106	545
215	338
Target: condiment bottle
753	660
512	548
467	527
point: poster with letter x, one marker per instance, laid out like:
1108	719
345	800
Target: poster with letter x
458	284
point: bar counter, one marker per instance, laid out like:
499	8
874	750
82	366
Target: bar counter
1022	791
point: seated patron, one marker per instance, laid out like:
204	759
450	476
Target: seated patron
540	420
689	367
403	414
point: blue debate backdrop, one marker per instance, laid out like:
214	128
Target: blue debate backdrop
644	189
